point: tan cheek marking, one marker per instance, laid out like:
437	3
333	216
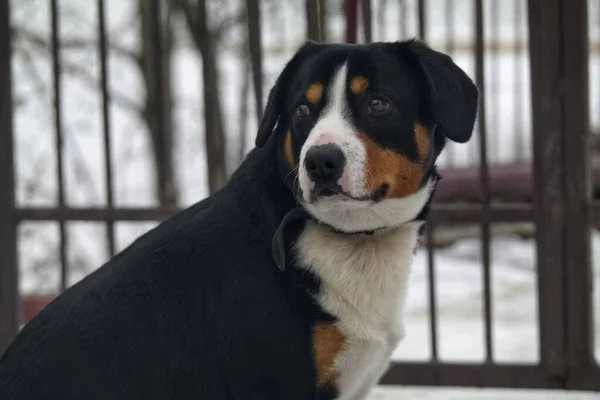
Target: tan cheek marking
288	151
328	342
314	93
359	84
423	141
402	175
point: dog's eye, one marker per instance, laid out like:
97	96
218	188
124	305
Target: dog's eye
378	106
302	111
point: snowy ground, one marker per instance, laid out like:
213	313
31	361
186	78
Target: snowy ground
458	268
475	394
460	304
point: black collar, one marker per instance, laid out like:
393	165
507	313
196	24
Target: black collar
369	233
279	245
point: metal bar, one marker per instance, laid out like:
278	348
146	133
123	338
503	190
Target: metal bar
430	251
312	20
255	53
351	11
95	214
471	375
579	321
9	280
322	14
432	293
110	226
585	379
431	289
548	173
518	83
494	87
509	212
484	175
58	125
367	20
450	32
440	213
160	105
422	19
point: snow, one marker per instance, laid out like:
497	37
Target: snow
459	284
475	394
458	268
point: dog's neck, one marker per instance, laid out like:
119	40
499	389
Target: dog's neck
299	215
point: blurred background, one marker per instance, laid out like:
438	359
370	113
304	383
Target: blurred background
124	112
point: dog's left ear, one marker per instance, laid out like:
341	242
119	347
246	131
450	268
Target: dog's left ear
452	94
276	102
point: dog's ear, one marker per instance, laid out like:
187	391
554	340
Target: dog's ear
452	94
276	102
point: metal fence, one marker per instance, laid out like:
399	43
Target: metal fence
562	209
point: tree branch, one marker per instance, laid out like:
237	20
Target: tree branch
75	70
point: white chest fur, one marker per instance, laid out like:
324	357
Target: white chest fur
364	281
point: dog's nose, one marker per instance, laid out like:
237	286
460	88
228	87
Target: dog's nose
325	163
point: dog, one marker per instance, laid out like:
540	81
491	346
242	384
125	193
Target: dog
288	283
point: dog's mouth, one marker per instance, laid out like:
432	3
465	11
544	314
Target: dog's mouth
335	193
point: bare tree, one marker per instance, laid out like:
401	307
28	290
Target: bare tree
154	60
215	139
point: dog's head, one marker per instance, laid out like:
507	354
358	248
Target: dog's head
358	128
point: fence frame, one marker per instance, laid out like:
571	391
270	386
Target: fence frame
562	213
562	209
9	296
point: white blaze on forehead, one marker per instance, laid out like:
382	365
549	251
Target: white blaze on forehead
334	126
337	105
332	123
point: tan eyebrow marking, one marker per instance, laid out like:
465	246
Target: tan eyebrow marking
359	84
314	93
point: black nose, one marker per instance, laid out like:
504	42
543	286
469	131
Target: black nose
325	164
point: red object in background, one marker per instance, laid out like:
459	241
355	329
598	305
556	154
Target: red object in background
351	11
31	305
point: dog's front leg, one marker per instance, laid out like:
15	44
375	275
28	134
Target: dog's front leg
368	386
371	381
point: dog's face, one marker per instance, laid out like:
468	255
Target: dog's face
358	128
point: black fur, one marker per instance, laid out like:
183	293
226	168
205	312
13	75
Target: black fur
197	308
194	309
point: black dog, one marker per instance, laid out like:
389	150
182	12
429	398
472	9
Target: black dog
288	283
